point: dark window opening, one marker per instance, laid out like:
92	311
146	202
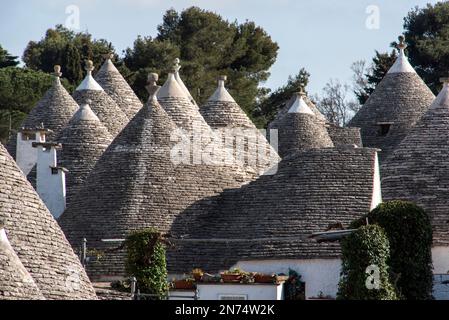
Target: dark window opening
384	128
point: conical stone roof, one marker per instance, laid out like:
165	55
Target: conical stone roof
221	112
301	129
283	110
418	169
394	107
137	184
15	281
83	142
37	238
272	217
54	111
113	83
188	118
109	113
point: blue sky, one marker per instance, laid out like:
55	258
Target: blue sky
323	36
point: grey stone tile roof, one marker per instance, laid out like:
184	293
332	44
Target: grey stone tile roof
341	136
135	184
222	112
400	99
113	83
301	129
37	238
283	109
15	281
272	217
83	142
109	113
418	169
54	110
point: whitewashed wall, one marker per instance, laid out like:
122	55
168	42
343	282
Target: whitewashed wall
26	155
318	274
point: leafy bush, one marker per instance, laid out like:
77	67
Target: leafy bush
146	261
409	231
365	247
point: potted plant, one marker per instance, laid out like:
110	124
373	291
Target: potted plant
233	275
264	278
197	274
187	283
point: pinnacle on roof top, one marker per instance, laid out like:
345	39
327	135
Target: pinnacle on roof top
299	105
57	69
175	69
401	64
221	94
171	88
152	86
108	56
85	113
89	82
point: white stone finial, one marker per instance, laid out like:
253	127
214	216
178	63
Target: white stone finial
57	70
152	86
108	56
401	44
176	65
299	105
89	66
221	80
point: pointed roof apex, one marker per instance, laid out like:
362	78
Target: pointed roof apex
89	82
108	56
401	65
152	86
171	89
175	69
85	113
299	105
221	94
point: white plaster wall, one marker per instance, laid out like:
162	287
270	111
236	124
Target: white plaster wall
50	187
376	198
26	155
318	274
256	291
440	259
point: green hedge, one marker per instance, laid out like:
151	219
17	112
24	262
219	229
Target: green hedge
409	231
365	247
146	261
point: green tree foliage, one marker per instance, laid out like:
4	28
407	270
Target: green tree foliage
269	105
426	34
409	231
208	46
365	247
7	60
146	261
380	65
20	90
68	49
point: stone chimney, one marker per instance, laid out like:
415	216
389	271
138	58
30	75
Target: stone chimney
50	179
26	155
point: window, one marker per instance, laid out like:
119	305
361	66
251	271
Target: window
384	128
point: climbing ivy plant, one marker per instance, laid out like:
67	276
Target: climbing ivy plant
146	261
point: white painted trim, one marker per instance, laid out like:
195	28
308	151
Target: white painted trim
401	65
300	106
89	83
376	197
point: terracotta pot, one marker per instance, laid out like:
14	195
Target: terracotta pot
183	284
197	277
231	277
264	278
